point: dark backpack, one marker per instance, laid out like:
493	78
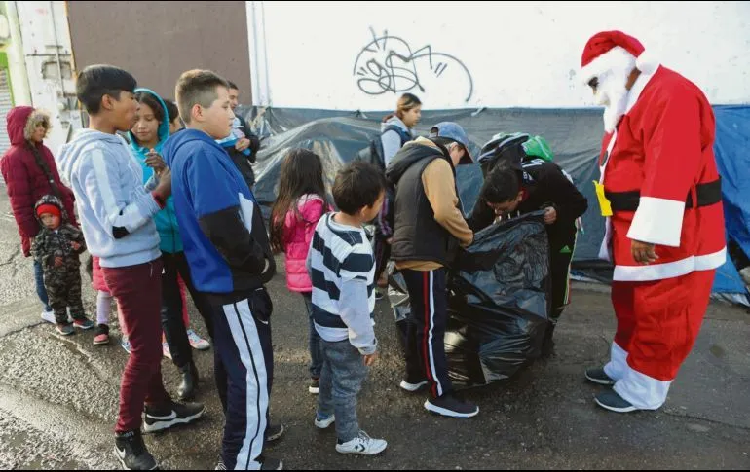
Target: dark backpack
374	153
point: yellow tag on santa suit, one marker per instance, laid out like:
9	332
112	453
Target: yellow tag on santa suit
604	204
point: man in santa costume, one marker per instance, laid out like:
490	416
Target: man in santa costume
661	193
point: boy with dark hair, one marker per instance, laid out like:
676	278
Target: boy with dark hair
519	185
242	145
117	215
342	269
230	259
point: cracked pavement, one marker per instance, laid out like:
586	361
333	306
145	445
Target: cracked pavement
58	397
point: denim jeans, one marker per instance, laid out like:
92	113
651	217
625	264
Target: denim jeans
341	378
41	291
315	355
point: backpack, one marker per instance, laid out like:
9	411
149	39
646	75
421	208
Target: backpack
374	153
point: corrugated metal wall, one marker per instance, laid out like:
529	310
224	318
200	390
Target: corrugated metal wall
157	41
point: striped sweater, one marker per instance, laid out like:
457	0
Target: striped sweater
342	270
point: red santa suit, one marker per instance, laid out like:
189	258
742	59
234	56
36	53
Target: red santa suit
660	175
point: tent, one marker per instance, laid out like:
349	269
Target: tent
573	134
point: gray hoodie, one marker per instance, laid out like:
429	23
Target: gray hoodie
115	209
391	140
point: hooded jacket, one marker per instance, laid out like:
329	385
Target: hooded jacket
115	209
166	219
26	181
50	244
223	233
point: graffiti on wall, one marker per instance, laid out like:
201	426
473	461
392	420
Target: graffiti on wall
389	64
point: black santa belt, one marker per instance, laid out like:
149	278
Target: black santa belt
708	194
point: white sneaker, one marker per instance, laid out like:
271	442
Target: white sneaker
49	316
323	423
362	444
196	341
165	350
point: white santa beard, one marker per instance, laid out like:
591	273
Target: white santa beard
611	93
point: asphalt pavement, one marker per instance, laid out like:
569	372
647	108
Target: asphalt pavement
58	397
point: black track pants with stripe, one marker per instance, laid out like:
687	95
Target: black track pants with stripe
244	370
425	345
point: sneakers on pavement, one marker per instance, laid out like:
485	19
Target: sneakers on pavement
170	415
451	407
612	401
196	341
65	329
49	316
165	349
132	453
101	335
323	422
274	432
125	343
314	386
362	444
83	323
598	376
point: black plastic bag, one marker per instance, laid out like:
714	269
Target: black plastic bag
499	299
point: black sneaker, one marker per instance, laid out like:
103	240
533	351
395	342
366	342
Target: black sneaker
274	432
314	386
171	414
268	463
598	376
451	407
612	401
65	329
132	453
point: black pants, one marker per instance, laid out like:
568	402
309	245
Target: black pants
425	338
243	366
171	308
560	275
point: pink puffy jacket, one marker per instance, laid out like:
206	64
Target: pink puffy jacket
299	228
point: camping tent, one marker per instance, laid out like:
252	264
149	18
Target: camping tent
573	134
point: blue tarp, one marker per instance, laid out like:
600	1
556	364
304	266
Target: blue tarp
573	134
732	149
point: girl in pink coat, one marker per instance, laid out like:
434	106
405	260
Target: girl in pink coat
299	206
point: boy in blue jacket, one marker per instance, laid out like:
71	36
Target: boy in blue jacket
227	248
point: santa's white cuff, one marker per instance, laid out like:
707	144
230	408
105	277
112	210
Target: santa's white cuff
658	221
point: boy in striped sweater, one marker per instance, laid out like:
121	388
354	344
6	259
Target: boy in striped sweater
342	269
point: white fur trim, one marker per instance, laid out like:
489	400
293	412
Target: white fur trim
658	221
616	58
642	391
647	63
671	269
37	116
615	368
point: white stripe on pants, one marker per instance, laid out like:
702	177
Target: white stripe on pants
245	335
432	324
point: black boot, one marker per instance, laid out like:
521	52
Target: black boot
189	384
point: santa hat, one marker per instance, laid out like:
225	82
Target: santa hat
48	208
608	49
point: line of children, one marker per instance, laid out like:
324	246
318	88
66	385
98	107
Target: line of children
117	220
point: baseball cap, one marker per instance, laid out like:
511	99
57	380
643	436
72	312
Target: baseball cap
455	132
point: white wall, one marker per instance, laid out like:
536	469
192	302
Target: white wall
45	39
517	53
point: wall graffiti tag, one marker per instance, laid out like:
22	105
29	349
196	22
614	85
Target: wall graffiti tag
388	64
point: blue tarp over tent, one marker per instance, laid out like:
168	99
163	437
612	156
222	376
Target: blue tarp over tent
732	149
573	134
